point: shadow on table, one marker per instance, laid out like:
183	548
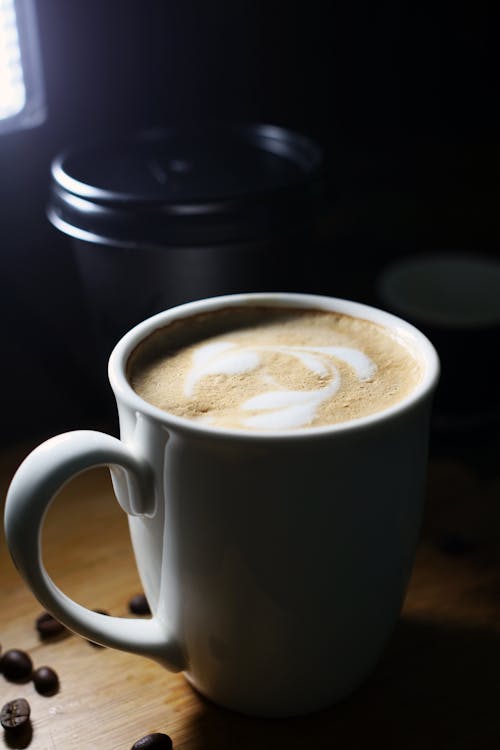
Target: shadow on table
436	687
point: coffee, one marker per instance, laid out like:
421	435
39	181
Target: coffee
155	741
15	714
267	557
273	368
16	665
46	681
139	605
48	627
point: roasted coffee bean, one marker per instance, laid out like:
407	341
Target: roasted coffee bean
139	605
16	665
155	741
46	680
48	626
15	714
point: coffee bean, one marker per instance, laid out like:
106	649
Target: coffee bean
48	626
155	741
139	605
16	665
15	714
46	680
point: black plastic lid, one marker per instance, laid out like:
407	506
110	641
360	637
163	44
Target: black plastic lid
193	186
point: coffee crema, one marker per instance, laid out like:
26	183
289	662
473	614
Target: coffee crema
265	368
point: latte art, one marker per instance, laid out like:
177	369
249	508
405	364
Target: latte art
272	369
281	408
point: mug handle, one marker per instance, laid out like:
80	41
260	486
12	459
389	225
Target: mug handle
33	488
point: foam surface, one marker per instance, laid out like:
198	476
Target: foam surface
276	371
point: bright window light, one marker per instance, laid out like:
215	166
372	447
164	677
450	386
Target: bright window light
21	94
12	89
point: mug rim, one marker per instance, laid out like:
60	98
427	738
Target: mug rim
123	391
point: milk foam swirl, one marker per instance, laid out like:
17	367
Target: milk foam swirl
278	408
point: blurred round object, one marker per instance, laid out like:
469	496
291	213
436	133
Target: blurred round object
448	290
167	216
455	299
200	185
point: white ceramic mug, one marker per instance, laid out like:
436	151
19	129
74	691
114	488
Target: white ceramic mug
275	563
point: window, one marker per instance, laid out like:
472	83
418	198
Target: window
21	86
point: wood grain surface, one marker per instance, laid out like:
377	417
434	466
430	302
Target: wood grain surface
436	686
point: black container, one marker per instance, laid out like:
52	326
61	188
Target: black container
170	216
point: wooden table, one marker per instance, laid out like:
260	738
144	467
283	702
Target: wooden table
436	686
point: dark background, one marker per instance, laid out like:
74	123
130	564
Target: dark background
403	100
